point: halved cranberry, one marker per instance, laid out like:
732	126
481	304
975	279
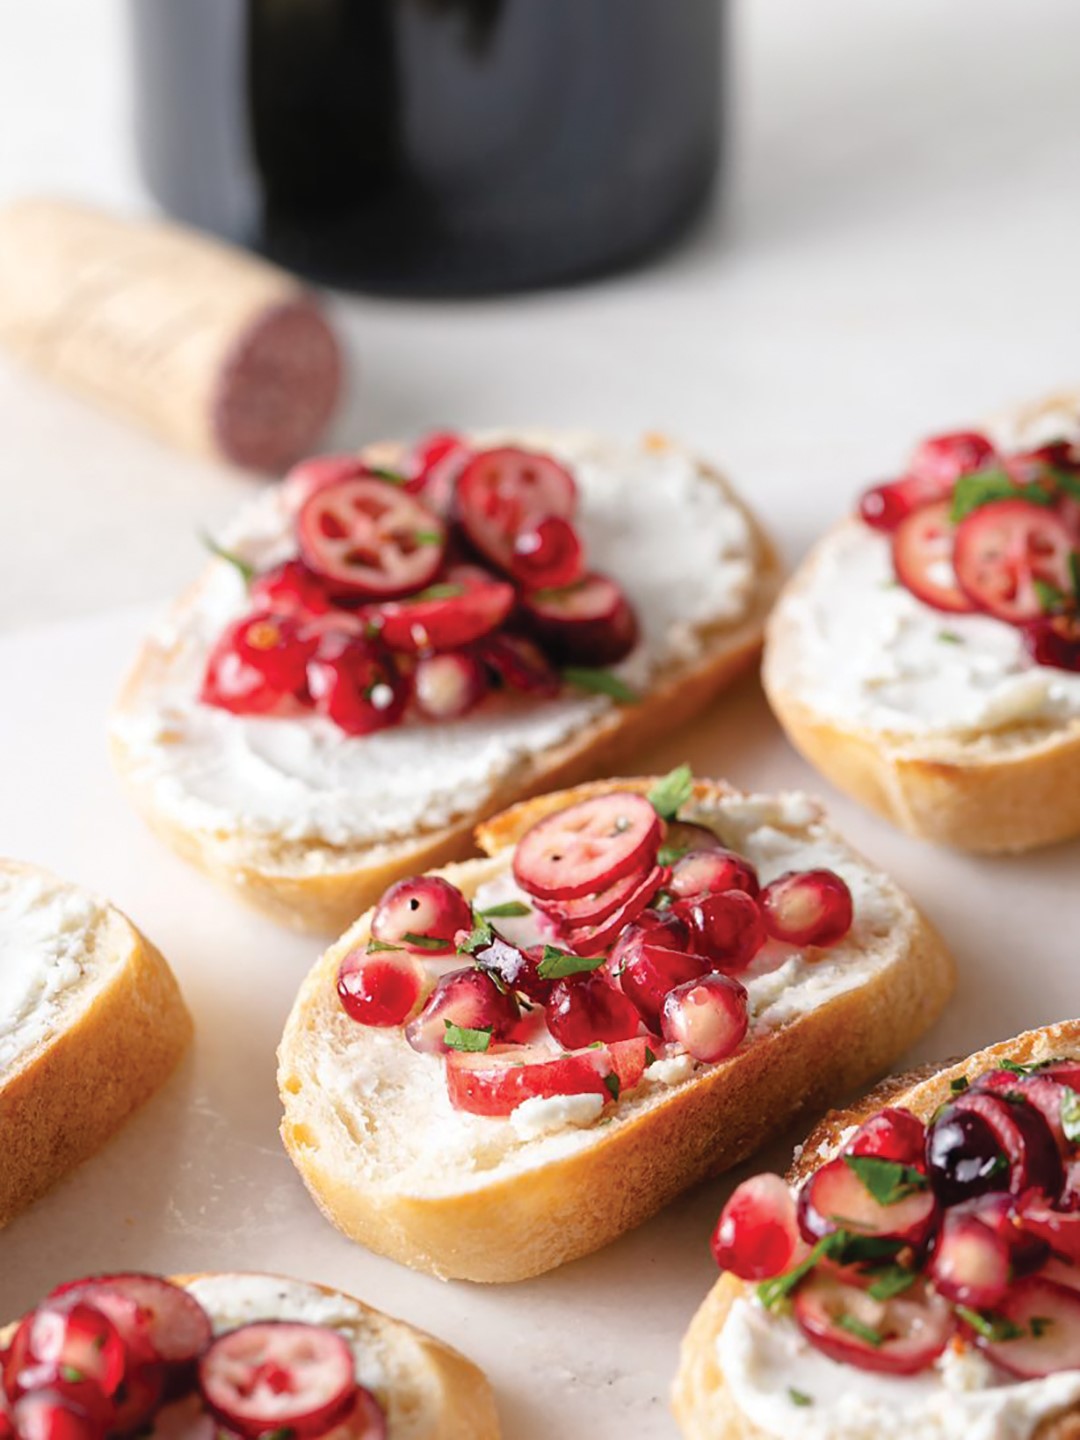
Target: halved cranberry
497	1082
650	972
257	663
901	1336
290	588
520	665
711	872
278	1375
1046	1320
465	607
64	1338
470	999
382	989
582	1012
808	907
504	491
964	1157
757	1236
1005	550
547	554
355	684
1054	640
1060	1230
891	1134
971	1262
727	929
1024	1137
591	909
589	623
446	687
707	1017
588	846
922	550
517	969
944	458
884	506
156	1319
370	539
592	939
835	1197
423	913
49	1415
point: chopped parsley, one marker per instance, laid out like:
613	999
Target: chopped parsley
983	487
959	1085
461	1037
374	947
556	964
383	472
424	942
612	1085
991	1327
668	854
428	537
950	637
506	911
245	570
600	682
886	1180
1070	1115
891	1280
669	795
854	1326
440	592
799	1397
1050	597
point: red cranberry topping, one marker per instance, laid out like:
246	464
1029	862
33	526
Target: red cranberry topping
923	559
355	684
591	939
61	1338
258	662
757	1236
1054	640
591	909
424	914
502	492
588	846
838	1196
900	1336
649	973
520	665
589	623
156	1319
1041	1330
465	607
547	554
434	467
276	1375
365	1420
807	907
662	928
944	458
1059	1230
496	1083
971	1262
728	928
381	989
290	589
517	969
885	506
707	1017
445	687
305	479
469	999
581	1012
892	1134
368	538
1006	550
964	1157
49	1415
1025	1139
711	872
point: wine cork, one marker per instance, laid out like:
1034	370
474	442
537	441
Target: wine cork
211	348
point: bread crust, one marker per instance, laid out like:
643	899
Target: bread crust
536	1218
702	1405
1009	792
319	889
65	1098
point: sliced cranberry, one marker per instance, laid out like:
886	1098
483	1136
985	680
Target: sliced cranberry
727	929
592	939
364	1420
520	665
589	623
901	1336
304	479
1059	1230
156	1319
548	554
355	684
49	1415
1061	1273
1042	1092
424	914
971	1262
707	1017
370	539
892	1134
277	1375
503	492
662	928
381	989
649	973
517	969
470	999
711	872
757	1235
1001	1213
1045	1319
434	466
944	458
591	909
964	1157
257	663
923	559
588	846
1024	1137
496	1083
884	506
1065	1072
1054	640
64	1337
1004	550
465	607
808	907
835	1197
140	1398
582	1012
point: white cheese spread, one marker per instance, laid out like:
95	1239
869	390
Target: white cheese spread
677	543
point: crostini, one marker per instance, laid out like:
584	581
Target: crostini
507	1064
236	1356
926	657
396	646
920	1274
91	1024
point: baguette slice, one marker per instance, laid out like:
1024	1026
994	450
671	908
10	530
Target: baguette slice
319	885
428	1391
703	1406
370	1128
91	1024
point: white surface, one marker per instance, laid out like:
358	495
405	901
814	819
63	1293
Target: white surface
899	254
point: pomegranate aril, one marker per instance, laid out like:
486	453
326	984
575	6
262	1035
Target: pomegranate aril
901	1336
156	1319
424	913
588	846
547	554
465	607
649	973
807	907
355	684
468	999
757	1235
728	929
50	1415
1054	640
707	1017
589	623
922	549
891	1134
65	1338
942	459
497	1083
838	1197
380	989
368	538
504	491
884	506
582	1012
446	687
971	1263
275	1375
1042	1320
520	665
712	872
1006	551
592	939
662	928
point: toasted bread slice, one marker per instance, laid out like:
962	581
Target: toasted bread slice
319	877
702	1401
91	1024
369	1125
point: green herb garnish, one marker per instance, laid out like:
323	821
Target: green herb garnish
506	911
669	795
556	964
600	682
886	1180
854	1326
461	1037
1050	597
424	942
446	591
428	537
891	1280
1070	1115
959	1085
383	472
479	938
650	1058
1039	1325
245	570
799	1397
983	487
612	1085
668	854
374	947
950	637
71	1374
990	1327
